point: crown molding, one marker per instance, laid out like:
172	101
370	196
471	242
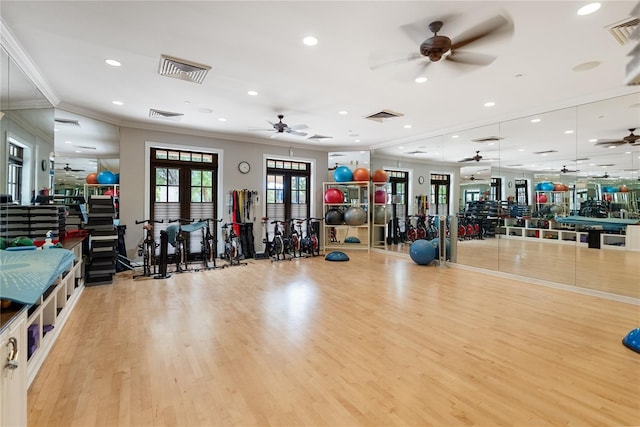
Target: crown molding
17	53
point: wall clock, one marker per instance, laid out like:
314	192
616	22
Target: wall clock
244	167
421	180
43	165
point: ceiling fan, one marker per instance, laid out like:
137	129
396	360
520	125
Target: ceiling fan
629	139
67	168
565	170
605	176
281	127
475	158
438	46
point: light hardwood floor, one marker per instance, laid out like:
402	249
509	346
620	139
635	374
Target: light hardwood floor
376	341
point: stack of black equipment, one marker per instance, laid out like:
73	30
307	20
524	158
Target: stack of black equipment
103	238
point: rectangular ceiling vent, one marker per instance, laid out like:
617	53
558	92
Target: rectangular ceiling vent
415	152
318	137
166	115
621	32
488	139
182	69
545	152
383	115
67	122
85	147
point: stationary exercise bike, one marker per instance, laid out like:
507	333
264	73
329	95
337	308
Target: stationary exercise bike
208	244
147	249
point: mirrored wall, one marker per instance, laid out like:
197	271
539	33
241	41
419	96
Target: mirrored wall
544	173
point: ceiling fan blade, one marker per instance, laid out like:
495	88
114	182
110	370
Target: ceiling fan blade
296	133
260	130
498	26
299	127
470	58
468	159
377	63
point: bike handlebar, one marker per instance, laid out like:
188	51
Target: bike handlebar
181	220
153	221
211	219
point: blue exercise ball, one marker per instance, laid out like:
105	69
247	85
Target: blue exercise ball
342	174
106	177
547	186
422	252
436	244
632	340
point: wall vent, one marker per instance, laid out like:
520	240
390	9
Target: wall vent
67	122
621	31
182	69
383	115
488	139
166	115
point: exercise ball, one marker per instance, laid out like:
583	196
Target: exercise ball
92	178
342	174
106	177
379	216
558	187
379	175
623	189
380	196
333	217
541	198
333	195
537	187
117	178
361	174
607	197
547	186
422	252
608	189
355	215
436	244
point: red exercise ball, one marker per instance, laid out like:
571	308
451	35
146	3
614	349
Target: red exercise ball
607	197
380	196
361	174
541	198
92	178
333	195
380	176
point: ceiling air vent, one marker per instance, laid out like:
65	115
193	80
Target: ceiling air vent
415	152
182	69
488	139
384	115
318	137
166	115
622	30
545	152
67	122
85	147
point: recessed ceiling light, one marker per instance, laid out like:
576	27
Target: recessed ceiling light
421	79
407	126
627	152
545	154
222	119
78	151
521	149
56	129
357	140
343	112
400	148
310	41
68	142
612	146
113	62
187	102
205	110
586	66
252	93
536	120
590	8
455	136
117	102
489	104
593	140
568	132
491	143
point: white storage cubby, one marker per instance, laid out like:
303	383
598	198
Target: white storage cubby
356	194
379	216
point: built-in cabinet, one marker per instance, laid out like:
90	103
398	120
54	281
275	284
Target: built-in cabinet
13	378
379	215
348	234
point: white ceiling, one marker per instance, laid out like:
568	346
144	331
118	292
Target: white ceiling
258	46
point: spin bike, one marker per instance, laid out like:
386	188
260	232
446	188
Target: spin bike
309	244
208	244
280	243
231	247
147	249
179	243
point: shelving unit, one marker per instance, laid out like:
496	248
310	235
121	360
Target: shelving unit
534	229
379	216
557	202
46	318
356	195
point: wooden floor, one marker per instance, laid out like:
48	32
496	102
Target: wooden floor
376	341
606	270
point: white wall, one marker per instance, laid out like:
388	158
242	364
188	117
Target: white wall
134	204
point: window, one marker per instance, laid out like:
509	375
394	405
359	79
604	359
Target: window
522	196
184	185
14	177
398	194
495	192
287	190
440	189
